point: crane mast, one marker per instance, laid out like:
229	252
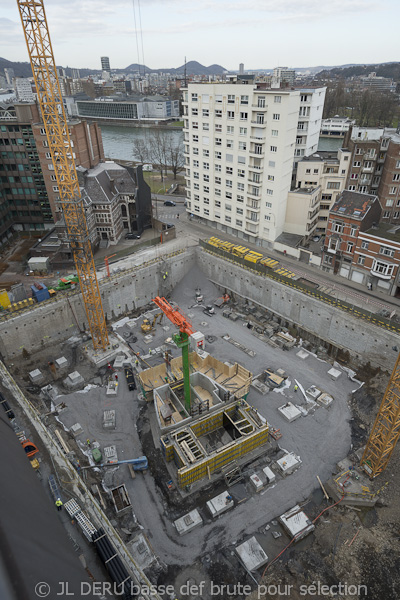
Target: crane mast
44	70
386	430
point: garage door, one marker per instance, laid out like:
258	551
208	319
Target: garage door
357	277
344	272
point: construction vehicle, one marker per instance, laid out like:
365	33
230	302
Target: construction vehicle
199	296
130	379
67	283
253	257
223	300
181	339
146	326
209	310
37	37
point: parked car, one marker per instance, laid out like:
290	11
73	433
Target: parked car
169	203
132	236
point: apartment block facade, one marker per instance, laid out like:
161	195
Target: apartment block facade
87	148
320	179
24	202
241	141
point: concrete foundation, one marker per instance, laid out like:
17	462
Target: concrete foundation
269	475
296	523
288	463
220	504
251	554
76	429
61	363
109	419
256	482
110	454
74	380
188	522
334	373
36	376
290	412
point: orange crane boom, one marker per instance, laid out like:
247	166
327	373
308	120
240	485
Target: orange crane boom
36	31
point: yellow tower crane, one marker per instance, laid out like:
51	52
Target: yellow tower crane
386	430
44	70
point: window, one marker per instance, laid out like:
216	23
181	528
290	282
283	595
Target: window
206	112
48	155
195	150
196	175
244	99
206	200
196	198
196	186
396	177
195	138
228	183
304	98
206	189
195	125
350	247
242	130
276	116
206	177
218	155
392	190
316	171
217	180
229	143
356	164
260	119
240	198
195	163
229	170
239	211
382	268
386	251
361	260
239	223
218	168
231	99
218	99
206	211
389	203
206	153
268	204
244	116
229	157
267	217
258	149
274	133
205	140
261	102
241	173
218	141
240	186
273	148
351	188
206	126
217	192
386	214
53	178
364	245
337	227
206	166
277	99
218	112
270	192
353	230
271	178
354	176
242	146
396	215
271	163
228	195
228	219
230	114
217	203
194	97
230	129
333	185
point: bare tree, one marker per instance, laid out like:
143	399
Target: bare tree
158	151
141	150
175	156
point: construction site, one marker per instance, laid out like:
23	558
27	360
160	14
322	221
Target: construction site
196	425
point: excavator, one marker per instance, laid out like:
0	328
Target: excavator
146	326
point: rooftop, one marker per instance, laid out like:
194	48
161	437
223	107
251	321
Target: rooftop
386	231
353	204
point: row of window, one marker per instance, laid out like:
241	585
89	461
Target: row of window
231	98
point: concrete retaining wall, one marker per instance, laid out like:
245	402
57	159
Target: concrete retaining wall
365	341
57	320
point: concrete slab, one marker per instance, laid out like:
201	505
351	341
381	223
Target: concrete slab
296	523
112	388
119	361
141	551
188	522
334	374
110	454
76	429
36	376
290	412
269	474
251	554
288	463
302	354
313	392
74	380
61	363
220	504
325	400
109	419
256	482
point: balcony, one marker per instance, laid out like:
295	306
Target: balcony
257	139
256	124
252	182
367	169
256	154
255	196
387	274
255	168
258	107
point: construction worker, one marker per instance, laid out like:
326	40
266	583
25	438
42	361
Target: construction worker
137	362
150	351
88	443
59	504
296	387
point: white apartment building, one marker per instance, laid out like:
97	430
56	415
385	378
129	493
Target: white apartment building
320	179
240	142
23	88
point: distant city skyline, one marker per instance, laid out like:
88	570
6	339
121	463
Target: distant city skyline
259	33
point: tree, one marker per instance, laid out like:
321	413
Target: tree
160	149
175	156
141	150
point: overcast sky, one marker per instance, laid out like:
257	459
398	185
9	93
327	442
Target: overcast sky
259	33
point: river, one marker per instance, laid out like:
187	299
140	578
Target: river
118	141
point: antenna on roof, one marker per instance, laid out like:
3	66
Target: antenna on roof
185	73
